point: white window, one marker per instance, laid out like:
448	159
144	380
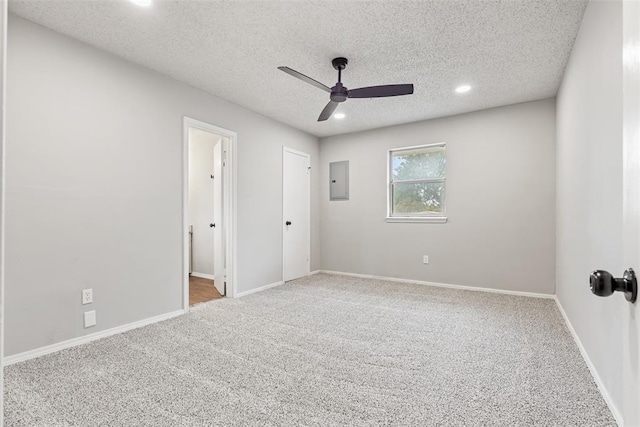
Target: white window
416	189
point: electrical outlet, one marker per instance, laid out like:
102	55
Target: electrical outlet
425	259
87	296
89	318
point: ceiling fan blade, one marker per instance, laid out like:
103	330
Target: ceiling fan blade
381	91
328	111
304	78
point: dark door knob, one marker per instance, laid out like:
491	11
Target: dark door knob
603	284
212	225
288	223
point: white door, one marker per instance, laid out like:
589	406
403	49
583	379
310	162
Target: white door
631	207
296	209
3	62
218	247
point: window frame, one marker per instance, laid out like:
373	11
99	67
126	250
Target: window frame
426	217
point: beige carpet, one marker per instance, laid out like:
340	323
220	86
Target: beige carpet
324	350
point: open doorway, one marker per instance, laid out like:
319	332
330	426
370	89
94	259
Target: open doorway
207	212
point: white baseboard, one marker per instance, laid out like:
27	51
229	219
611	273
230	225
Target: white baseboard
260	289
594	373
32	354
269	286
203	275
443	285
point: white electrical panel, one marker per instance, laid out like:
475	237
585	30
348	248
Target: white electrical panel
339	180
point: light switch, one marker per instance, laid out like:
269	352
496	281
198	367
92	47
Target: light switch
89	318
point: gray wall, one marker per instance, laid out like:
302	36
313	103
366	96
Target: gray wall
94	196
589	188
500	202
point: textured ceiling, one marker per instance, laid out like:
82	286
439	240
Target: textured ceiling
509	50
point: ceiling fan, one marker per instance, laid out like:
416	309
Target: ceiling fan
340	93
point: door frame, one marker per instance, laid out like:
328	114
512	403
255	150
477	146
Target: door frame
229	211
286	150
219	271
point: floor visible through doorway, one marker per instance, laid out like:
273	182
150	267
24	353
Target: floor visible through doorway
201	290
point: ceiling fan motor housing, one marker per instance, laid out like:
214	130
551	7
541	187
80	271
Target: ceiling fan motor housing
339	93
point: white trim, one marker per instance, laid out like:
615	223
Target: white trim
230	214
413	147
260	289
594	373
425	219
74	342
298	152
443	285
230	206
203	275
308	157
314	272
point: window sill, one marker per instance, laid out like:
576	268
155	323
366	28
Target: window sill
425	219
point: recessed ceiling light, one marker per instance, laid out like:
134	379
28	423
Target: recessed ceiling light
141	2
463	88
339	116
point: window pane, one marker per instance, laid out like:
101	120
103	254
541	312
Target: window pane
420	163
418	198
